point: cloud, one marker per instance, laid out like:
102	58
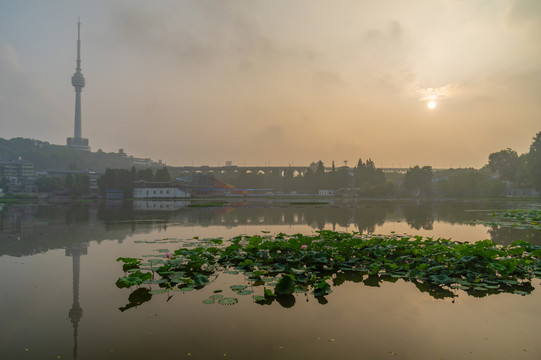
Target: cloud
525	13
155	37
443	92
26	106
391	36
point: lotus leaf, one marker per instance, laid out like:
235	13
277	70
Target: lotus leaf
244	292
228	301
238	287
285	286
157	291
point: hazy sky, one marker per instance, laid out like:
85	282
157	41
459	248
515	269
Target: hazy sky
277	81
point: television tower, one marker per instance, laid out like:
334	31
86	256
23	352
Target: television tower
78	82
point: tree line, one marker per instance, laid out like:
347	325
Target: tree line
73	185
505	169
122	179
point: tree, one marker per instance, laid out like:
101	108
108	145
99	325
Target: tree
162	175
506	163
287	181
145	175
523	175
470	183
534	162
309	181
49	184
320	176
77	184
367	176
82	184
339	179
116	179
418	181
70	183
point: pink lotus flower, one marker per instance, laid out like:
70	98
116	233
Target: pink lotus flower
168	255
304	247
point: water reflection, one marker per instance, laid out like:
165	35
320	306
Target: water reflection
143	294
41	229
419	216
76	312
31	229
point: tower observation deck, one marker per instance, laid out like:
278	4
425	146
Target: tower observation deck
78	82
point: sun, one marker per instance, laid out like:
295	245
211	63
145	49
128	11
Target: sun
431	105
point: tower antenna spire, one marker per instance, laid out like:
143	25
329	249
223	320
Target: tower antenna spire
78	45
78	82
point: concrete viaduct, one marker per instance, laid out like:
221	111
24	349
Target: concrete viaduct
297	170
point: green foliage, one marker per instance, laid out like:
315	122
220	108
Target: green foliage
162	175
519	218
322	288
49	184
136	298
367	176
129	263
505	163
469	183
228	301
145	175
418	181
524	170
436	266
77	184
534	162
133	279
119	179
286	285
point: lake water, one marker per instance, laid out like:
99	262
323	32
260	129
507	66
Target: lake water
59	299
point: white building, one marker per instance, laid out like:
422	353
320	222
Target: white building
153	190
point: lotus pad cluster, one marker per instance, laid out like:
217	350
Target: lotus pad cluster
284	264
519	218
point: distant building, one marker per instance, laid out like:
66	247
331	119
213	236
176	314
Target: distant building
326	192
16	169
141	161
20	175
158	190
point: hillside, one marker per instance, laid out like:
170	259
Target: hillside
46	156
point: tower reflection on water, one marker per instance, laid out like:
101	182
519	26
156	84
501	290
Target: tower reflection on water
76	311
